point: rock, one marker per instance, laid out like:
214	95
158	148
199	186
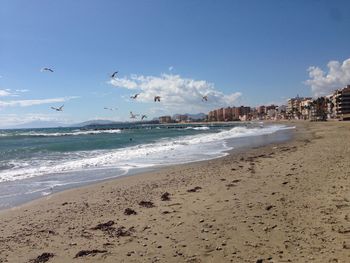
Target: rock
260	261
201	221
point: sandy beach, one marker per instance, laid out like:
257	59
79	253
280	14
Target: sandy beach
287	202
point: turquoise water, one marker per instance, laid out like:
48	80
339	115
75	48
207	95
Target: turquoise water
36	162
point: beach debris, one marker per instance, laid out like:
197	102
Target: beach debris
48	231
147	204
114	74
46	69
84	253
165	196
122	232
44	257
269	207
104	226
113	231
233	183
128	211
157	98
58	109
342	230
195	189
267	229
345	245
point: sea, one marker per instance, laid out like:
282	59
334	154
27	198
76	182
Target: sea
40	162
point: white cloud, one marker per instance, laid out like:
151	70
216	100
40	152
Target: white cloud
10	93
177	93
4	93
22	90
27	103
323	83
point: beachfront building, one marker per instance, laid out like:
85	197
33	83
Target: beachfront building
165	119
260	113
244	113
294	107
181	118
220	114
341	100
212	116
318	109
305	109
227	114
282	112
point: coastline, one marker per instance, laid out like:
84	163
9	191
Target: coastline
18	192
277	203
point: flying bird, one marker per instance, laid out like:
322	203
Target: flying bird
112	109
143	116
58	109
114	74
46	69
133	116
157	98
205	98
134	96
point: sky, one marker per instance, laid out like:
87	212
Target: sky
237	52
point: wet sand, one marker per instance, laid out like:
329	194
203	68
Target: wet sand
286	202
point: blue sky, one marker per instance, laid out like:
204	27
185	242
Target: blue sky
237	52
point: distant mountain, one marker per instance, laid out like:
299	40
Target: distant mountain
94	122
198	116
38	124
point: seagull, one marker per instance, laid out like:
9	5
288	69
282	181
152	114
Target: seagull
205	98
112	109
46	69
157	98
133	116
134	96
58	109
143	116
114	74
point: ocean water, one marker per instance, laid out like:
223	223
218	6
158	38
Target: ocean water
38	162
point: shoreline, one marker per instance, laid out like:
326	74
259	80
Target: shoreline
78	180
277	203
